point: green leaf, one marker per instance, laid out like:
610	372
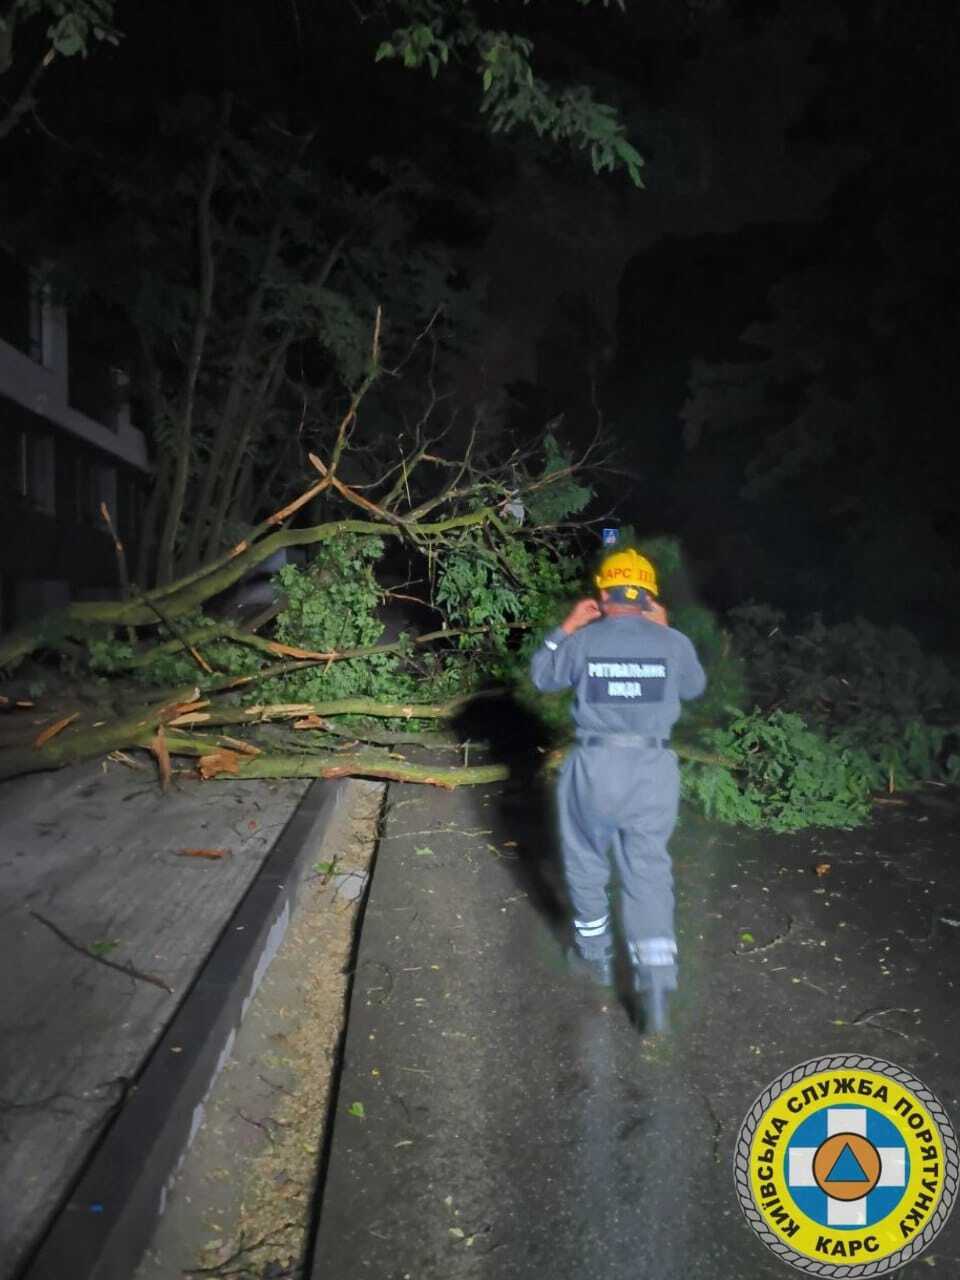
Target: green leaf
746	936
356	1109
103	946
423	851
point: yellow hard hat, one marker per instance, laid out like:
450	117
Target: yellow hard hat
627	569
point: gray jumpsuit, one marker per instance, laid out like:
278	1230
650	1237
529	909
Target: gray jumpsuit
619	787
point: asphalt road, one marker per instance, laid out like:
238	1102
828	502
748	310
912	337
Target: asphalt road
497	1118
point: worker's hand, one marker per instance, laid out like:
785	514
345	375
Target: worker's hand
655	612
582	613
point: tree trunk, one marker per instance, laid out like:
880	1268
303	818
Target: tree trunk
77	744
233	455
365	766
243	505
161	479
236	392
183	447
151	518
183	710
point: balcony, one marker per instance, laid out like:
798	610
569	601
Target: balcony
43	390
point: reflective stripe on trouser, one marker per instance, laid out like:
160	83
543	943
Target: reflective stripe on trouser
654	961
653	953
592	928
592	937
620	801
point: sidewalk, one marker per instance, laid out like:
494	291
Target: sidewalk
97	853
497	1119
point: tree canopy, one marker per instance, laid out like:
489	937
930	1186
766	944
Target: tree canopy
51	29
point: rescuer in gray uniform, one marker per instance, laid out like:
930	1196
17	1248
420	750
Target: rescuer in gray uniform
619	788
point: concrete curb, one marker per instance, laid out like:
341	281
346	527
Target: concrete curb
101	1231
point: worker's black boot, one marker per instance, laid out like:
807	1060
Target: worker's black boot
653	989
654	978
593	961
591	955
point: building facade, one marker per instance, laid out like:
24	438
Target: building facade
67	445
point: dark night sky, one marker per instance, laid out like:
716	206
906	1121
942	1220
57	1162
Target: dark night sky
799	174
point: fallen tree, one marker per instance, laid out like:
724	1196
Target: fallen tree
317	708
310	688
486	534
485	541
483	498
483	568
165	729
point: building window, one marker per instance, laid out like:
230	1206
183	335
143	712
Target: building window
96	386
94	484
14	303
90	381
35	351
39	470
84	480
27	463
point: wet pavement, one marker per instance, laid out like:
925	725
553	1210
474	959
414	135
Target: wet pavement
497	1118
